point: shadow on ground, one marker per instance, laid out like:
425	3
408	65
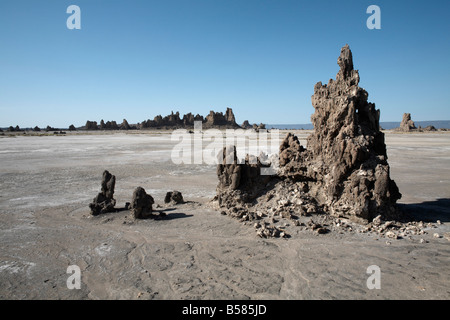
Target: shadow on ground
428	211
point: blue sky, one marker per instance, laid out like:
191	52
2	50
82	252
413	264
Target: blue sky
136	59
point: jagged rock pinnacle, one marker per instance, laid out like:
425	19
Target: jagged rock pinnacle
345	61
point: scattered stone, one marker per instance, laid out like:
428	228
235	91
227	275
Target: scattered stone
391	235
436	235
322	230
104	201
141	204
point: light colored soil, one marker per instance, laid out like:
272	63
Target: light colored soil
47	182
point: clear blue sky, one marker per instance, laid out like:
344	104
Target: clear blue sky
136	59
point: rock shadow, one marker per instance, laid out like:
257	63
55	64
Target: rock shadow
176	215
428	211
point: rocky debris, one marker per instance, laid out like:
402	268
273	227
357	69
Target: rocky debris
343	172
174	197
141	204
407	125
104	201
271	232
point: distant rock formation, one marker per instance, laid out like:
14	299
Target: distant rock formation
141	204
125	125
247	125
37	129
343	171
91	125
72	128
429	128
407	125
214	119
104	201
48	129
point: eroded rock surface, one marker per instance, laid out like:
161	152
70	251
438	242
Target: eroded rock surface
141	204
104	201
407	125
346	158
343	171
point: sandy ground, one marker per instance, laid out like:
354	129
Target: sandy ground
46	184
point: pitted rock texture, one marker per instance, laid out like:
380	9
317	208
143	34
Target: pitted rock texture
104	201
141	204
343	171
346	155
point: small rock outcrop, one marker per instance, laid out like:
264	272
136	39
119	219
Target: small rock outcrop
407	125
240	180
174	197
104	201
141	204
72	128
429	128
